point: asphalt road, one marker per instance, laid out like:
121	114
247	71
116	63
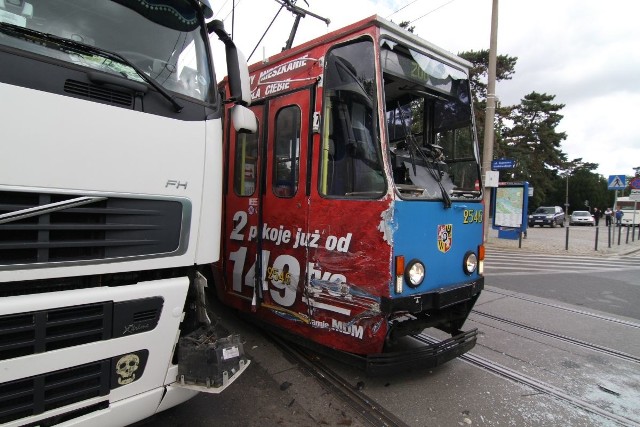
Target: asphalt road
610	285
563	264
274	392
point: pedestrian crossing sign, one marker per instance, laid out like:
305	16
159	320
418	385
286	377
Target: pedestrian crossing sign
617	182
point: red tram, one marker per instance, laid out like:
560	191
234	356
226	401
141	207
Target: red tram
353	217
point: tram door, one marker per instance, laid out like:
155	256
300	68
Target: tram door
271	218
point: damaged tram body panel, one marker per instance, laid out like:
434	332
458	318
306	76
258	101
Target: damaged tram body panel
353	217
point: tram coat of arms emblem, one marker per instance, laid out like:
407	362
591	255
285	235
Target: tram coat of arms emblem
445	237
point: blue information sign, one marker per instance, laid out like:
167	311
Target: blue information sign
617	182
503	164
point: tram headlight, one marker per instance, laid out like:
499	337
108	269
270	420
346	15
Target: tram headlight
470	263
414	273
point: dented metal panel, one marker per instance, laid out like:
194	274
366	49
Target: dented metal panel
315	255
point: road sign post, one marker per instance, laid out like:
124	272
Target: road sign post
503	164
617	182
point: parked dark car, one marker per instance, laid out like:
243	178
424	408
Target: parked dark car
547	215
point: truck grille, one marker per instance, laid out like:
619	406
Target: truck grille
36	332
98	229
23	334
36	395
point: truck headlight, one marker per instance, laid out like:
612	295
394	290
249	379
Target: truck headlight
470	263
414	273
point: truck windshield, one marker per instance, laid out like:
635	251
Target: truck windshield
432	142
162	38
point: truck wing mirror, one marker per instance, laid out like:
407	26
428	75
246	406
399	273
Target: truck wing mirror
237	69
244	121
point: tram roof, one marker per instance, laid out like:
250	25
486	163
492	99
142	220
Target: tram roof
387	28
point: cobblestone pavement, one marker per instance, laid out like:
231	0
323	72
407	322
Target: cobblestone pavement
575	240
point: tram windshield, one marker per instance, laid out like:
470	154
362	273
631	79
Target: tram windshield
114	37
432	143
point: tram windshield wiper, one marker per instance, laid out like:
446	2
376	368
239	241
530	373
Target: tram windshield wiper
431	160
85	48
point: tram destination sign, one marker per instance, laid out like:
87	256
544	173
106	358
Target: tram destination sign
503	164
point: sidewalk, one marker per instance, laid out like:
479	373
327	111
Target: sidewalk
581	241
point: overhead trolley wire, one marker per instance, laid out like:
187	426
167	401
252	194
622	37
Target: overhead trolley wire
232	9
406	5
265	31
431	11
220	10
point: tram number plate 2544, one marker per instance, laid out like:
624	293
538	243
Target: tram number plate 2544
472	215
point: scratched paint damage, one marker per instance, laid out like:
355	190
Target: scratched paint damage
387	225
362	307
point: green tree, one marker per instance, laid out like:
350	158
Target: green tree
532	139
580	183
479	73
478	79
527	133
588	186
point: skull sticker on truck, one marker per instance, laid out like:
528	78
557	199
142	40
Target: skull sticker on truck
127	368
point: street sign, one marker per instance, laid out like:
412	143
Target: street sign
503	164
617	182
491	178
635	195
635	183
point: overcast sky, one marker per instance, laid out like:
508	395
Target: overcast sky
585	52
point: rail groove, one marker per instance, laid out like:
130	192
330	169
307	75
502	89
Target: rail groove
569	309
608	351
537	385
369	410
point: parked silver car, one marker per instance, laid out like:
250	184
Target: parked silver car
582	218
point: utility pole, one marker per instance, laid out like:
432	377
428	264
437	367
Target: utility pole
487	151
566	202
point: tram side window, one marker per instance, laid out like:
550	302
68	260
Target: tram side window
350	161
286	154
244	179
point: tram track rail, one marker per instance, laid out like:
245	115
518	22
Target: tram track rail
564	308
542	387
374	414
580	343
370	411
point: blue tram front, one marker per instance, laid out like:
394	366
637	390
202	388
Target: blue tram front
354	215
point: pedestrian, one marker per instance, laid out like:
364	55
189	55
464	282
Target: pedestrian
607	217
619	215
596	215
